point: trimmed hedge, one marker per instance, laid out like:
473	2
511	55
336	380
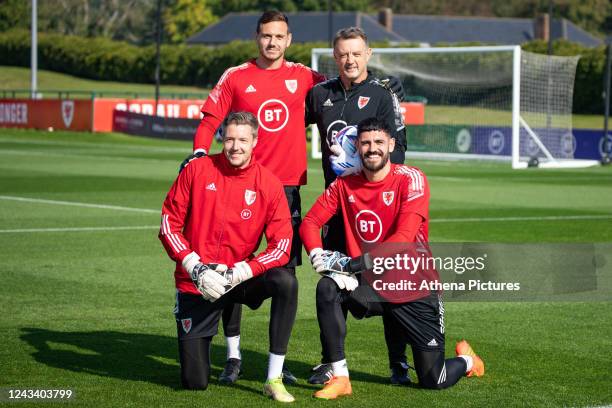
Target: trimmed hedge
104	59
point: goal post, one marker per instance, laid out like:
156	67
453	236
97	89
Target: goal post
484	102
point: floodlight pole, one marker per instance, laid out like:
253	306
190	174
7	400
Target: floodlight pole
157	55
330	20
34	51
607	81
550	23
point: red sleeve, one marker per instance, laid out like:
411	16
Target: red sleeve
216	107
317	77
322	210
206	130
278	232
174	212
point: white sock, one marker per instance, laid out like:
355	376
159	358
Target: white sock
233	347
275	365
340	368
469	361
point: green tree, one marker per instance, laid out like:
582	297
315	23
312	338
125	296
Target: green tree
14	14
222	7
183	18
591	15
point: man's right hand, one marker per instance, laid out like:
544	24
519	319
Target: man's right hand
195	155
210	280
329	261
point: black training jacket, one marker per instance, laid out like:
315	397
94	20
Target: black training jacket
331	108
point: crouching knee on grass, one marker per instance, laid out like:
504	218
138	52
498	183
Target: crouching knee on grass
213	220
383	204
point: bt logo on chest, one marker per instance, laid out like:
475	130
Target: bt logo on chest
368	226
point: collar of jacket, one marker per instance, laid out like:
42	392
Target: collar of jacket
229	170
356	85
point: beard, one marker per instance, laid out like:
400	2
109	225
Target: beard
375	167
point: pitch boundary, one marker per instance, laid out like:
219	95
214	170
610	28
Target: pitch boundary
435	220
79	204
80	229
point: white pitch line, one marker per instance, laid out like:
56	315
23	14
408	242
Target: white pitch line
78	204
434	220
79	229
535	218
112	146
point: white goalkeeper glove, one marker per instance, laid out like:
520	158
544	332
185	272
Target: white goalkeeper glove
209	279
343	281
239	273
330	261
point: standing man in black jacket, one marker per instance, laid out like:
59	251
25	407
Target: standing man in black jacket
343	101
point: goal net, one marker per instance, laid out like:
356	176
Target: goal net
497	103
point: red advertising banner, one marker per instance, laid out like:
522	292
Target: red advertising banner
59	114
414	113
167	108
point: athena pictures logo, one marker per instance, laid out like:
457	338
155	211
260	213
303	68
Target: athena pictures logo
273	115
368	226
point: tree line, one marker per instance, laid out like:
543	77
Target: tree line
133	21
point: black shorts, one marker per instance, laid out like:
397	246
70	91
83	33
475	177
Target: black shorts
420	323
295	209
197	317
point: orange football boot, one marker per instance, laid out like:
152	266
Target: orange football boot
464	348
334	388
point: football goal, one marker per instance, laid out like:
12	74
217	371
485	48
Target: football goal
486	102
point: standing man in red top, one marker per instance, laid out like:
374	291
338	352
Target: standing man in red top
384	203
213	219
273	89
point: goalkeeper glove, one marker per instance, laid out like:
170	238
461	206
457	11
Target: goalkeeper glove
333	261
323	260
209	279
345	282
395	85
195	155
239	273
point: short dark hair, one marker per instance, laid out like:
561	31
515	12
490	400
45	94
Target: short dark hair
241	118
373	125
270	16
349	33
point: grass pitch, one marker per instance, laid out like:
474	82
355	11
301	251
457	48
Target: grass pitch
87	290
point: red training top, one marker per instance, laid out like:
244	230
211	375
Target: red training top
276	98
221	212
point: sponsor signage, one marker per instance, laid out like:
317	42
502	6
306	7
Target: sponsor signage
154	126
166	108
59	114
